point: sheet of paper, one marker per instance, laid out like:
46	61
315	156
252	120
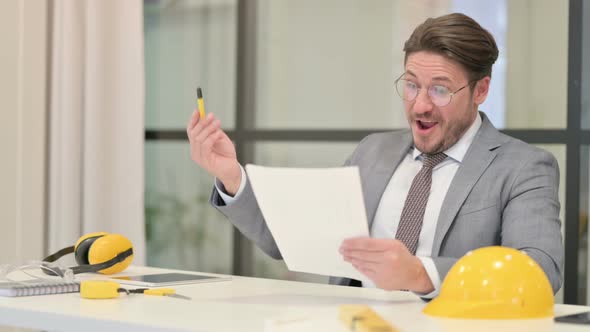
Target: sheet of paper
309	212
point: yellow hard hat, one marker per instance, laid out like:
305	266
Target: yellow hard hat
494	283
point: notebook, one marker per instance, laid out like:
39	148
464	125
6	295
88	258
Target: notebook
38	287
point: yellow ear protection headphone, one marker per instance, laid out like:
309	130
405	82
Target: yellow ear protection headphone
96	252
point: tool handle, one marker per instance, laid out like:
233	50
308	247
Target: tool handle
159	291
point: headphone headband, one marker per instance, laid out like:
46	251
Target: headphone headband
57	255
104	265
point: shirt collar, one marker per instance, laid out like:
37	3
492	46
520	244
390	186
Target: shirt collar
459	149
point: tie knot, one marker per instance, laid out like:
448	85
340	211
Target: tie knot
431	160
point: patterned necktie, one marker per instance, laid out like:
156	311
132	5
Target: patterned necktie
410	223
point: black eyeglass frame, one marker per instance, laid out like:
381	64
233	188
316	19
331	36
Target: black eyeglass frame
451	94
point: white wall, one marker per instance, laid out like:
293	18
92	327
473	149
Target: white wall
22	129
536	79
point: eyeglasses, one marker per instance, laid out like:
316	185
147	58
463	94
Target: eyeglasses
440	95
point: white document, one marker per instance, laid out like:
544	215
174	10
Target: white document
309	212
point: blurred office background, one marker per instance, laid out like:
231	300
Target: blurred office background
295	83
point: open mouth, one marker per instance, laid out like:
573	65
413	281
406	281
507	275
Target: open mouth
425	125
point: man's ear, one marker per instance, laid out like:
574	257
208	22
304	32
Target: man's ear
480	92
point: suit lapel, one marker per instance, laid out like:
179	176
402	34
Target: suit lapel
479	156
387	162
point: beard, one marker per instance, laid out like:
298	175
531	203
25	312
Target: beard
445	135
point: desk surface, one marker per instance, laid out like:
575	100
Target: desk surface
245	304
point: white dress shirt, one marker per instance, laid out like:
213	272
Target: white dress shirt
392	202
390	207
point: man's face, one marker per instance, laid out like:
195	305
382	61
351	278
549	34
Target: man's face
436	128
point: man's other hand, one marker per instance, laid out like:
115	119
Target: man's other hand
387	263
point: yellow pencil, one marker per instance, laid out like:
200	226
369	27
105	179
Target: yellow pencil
200	103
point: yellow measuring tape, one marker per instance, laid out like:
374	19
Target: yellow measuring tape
104	289
361	318
94	289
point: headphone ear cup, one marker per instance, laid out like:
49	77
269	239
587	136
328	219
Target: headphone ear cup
108	247
83	247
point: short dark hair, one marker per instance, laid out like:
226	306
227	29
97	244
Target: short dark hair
458	38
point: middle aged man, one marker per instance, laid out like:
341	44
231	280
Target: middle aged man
450	184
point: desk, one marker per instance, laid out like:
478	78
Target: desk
244	304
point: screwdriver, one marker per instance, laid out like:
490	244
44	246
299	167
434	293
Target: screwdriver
159	292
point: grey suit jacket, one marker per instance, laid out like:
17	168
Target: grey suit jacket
505	192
